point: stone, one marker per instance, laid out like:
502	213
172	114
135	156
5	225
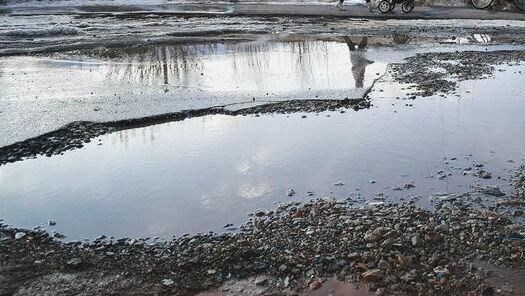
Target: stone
416	241
168	282
315	285
20	235
371	237
290	192
383	264
372	275
409	186
443	227
74	262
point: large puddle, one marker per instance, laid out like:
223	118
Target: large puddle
202	173
41	93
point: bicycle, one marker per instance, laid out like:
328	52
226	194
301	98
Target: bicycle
482	4
389	5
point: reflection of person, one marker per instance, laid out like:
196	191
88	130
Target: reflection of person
340	4
358	59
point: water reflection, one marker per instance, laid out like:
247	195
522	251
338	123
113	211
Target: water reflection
247	66
358	59
202	173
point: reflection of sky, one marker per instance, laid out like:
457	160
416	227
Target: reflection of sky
202	173
246	67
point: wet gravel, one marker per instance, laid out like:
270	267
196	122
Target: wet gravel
71	136
440	73
391	248
76	135
519	183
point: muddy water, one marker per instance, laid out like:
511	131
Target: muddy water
202	173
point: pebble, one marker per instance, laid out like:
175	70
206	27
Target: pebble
168	282
20	235
372	275
315	285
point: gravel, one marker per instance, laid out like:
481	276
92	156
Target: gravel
390	248
439	73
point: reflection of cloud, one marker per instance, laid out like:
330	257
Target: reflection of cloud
205	200
217	124
190	66
249	191
242	168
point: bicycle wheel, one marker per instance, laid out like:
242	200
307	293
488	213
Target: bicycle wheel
407	7
384	6
520	4
481	4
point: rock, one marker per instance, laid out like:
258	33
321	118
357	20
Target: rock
315	285
58	235
483	174
518	213
511	202
443	227
372	275
379	203
416	241
51	223
286	282
409	276
290	192
441	270
383	264
283	268
74	262
168	282
490	190
339	183
20	235
409	186
261	281
371	237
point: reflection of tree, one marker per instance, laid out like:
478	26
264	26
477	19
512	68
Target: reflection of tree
358	59
181	65
258	57
158	65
